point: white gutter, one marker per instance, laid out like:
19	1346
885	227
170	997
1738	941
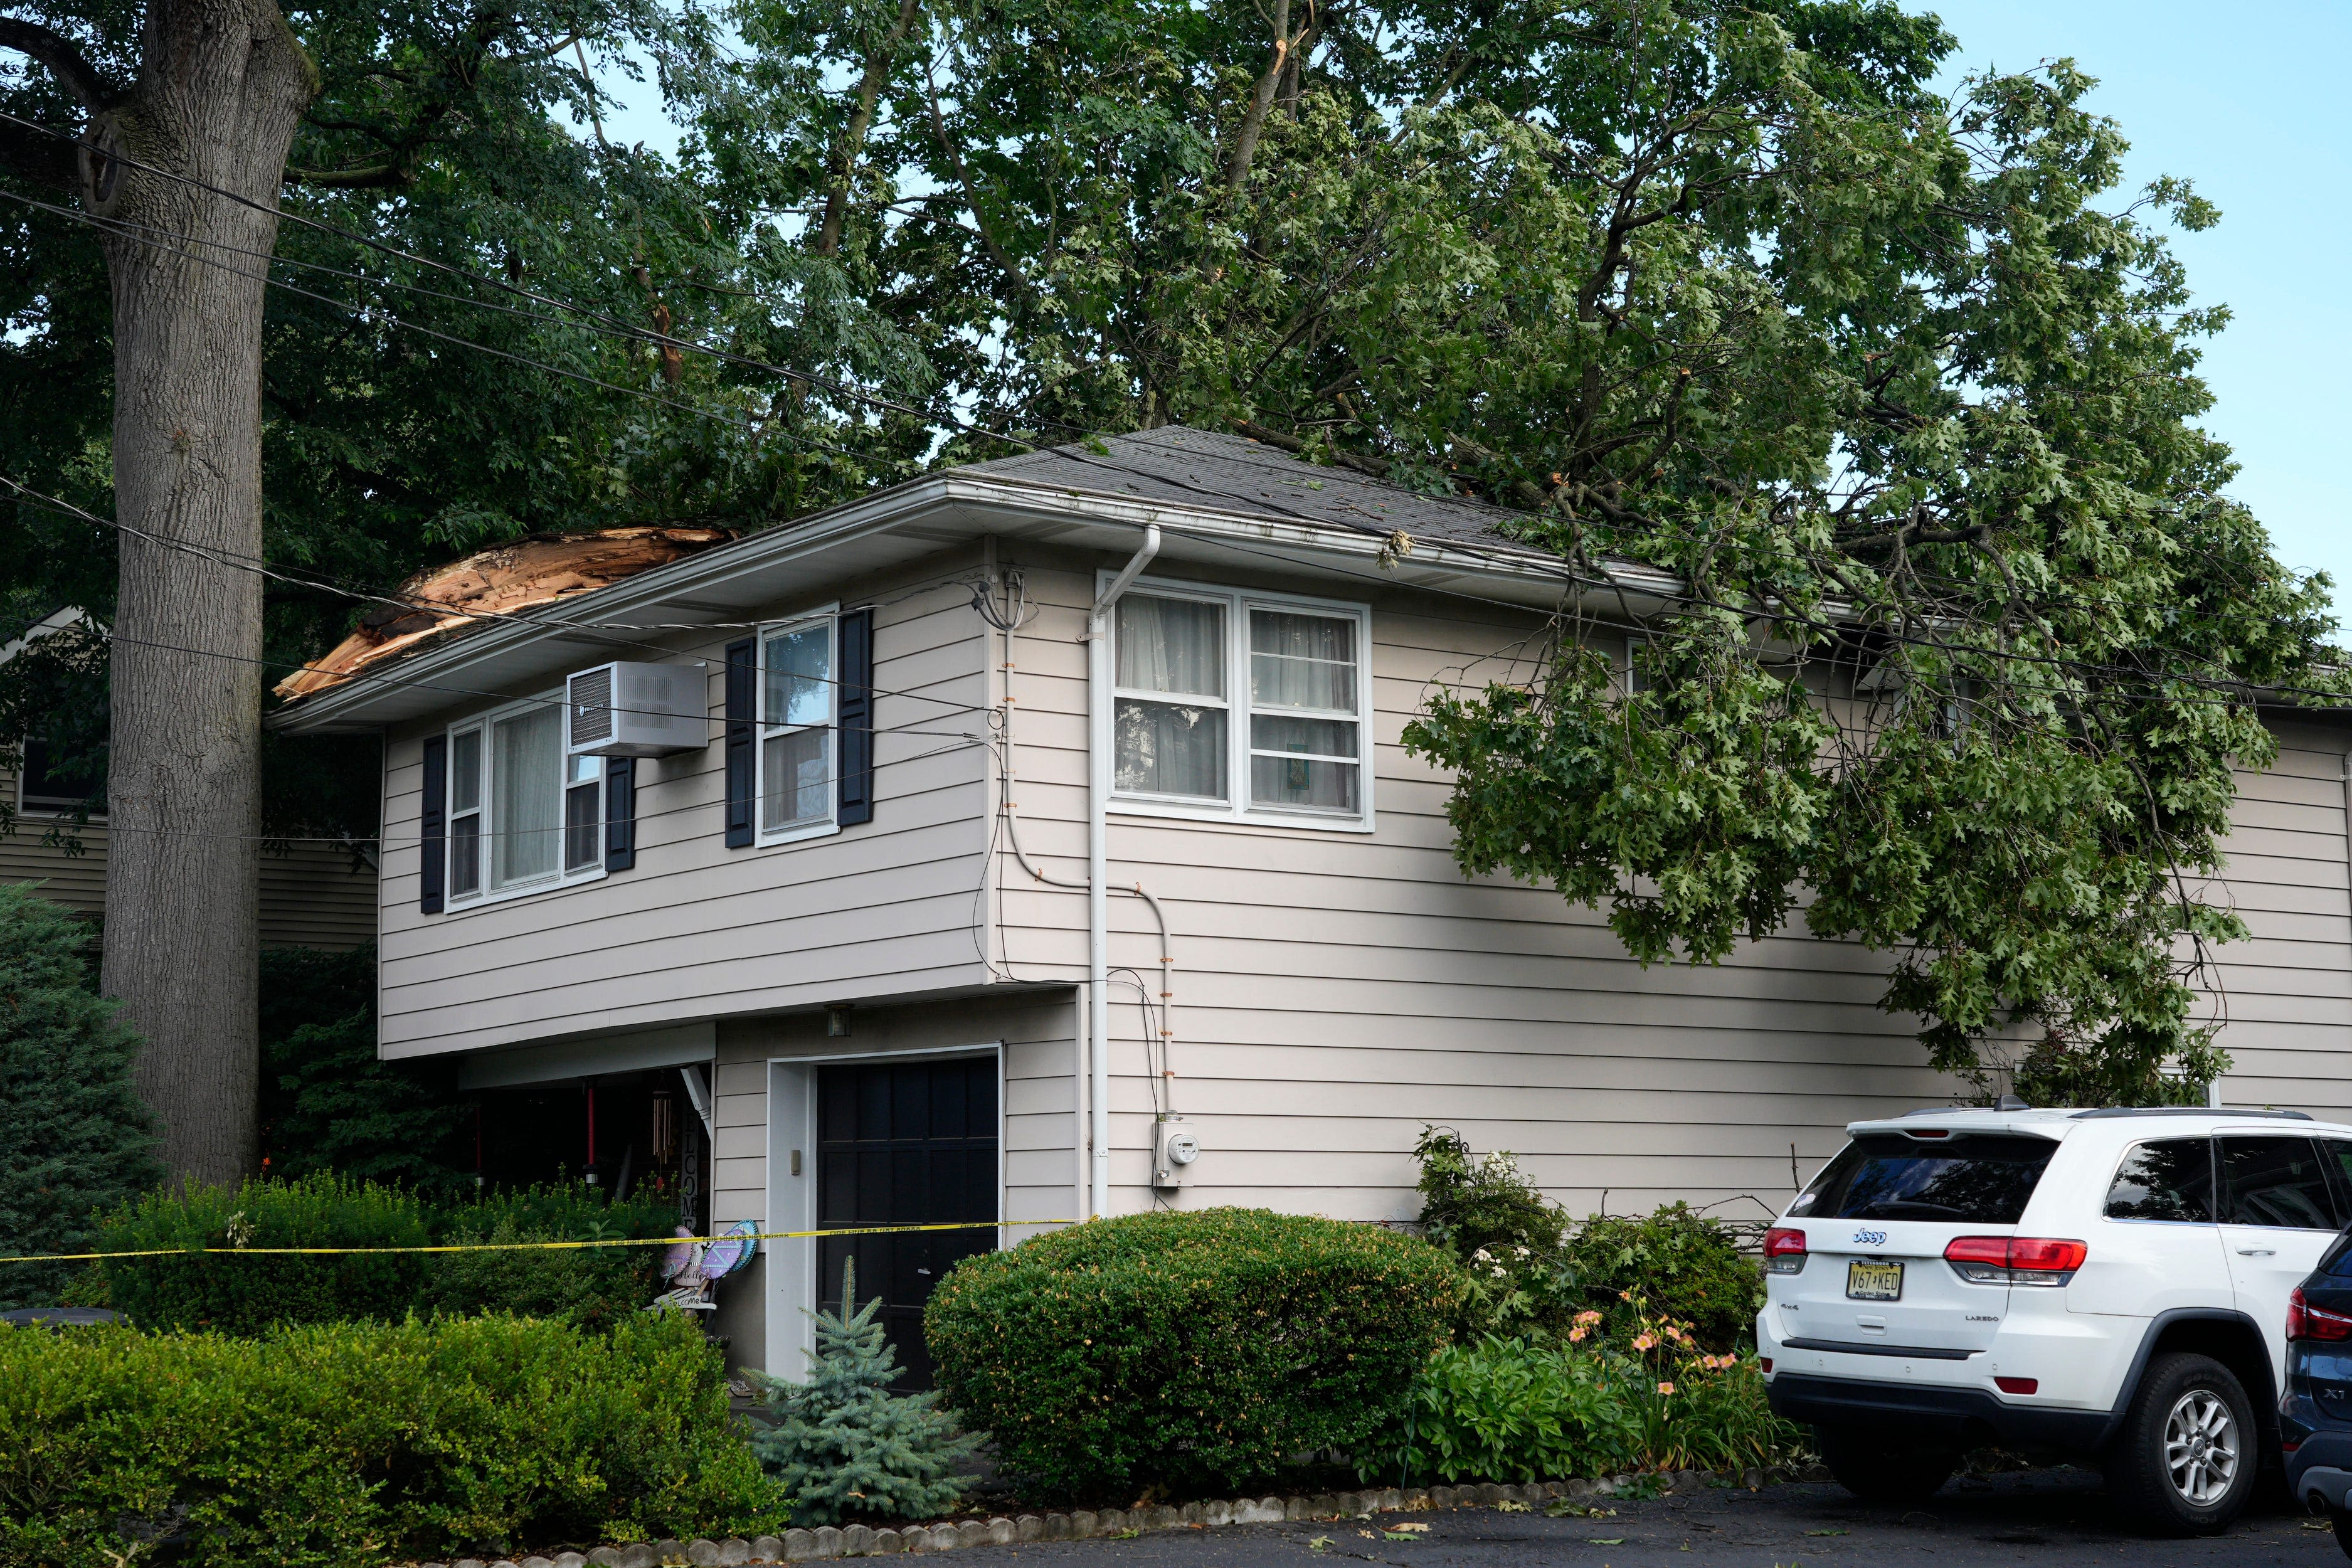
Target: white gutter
1098	886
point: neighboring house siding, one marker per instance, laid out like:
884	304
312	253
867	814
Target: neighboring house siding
697	930
311	895
2286	991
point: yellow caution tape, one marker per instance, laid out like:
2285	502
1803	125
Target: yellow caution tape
528	1245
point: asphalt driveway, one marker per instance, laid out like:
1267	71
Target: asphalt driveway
2036	1517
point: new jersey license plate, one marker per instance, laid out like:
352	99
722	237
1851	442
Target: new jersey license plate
1866	1281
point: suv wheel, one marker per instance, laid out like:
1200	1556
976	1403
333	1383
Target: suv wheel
2185	1462
1876	1466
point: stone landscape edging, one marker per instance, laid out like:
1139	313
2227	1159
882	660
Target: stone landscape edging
1083	1524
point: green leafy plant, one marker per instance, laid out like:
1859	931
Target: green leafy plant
329	1102
1530	1270
1592	1402
339	1445
1680	1263
844	1448
1508	1410
596	1287
73	1134
1192	1350
1517	1279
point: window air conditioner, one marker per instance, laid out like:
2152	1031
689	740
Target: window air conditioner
635	711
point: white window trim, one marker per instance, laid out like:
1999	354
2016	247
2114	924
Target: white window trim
1238	603
452	903
797	833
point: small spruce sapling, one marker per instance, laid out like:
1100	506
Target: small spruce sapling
845	1448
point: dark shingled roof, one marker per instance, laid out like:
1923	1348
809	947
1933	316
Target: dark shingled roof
1232	473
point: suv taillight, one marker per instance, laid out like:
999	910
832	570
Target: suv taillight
1784	1251
2305	1321
2014	1259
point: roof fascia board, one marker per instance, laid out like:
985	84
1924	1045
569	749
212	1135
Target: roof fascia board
979	496
342	706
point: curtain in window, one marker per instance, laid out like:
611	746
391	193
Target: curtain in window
1302	661
1164	749
1172	645
797	767
526	790
1176	646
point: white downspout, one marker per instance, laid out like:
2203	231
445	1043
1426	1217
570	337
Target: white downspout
1099	675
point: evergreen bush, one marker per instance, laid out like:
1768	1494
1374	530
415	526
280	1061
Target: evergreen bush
844	1448
347	1444
1191	1352
329	1102
74	1136
246	1294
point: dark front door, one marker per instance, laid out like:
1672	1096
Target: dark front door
904	1144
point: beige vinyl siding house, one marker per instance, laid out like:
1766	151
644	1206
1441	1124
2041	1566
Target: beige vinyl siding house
1335	985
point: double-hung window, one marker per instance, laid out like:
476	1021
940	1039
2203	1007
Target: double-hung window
521	815
1248	706
799	711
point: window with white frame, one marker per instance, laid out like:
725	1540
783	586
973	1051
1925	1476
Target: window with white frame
1253	706
799	710
521	815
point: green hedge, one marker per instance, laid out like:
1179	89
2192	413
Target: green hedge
594	1287
1192	1352
344	1445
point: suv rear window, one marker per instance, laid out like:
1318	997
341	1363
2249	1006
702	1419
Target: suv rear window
1981	1178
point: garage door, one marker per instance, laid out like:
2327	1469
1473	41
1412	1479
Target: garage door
904	1144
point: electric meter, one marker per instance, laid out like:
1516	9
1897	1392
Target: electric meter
1174	1148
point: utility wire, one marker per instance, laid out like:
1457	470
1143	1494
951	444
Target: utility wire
508	697
963	741
1519	560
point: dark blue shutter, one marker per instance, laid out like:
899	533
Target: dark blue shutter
741	687
619	813
433	867
857	717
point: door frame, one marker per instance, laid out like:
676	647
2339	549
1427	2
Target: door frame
792	1283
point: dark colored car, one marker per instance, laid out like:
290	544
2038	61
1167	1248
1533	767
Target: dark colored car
2316	1413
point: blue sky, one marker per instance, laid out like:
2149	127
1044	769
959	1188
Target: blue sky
2254	113
2250	106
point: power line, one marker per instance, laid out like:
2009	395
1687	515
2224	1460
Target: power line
508	697
963	741
1527	560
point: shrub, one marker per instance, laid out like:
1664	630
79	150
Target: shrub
844	1447
1186	1352
328	1102
1686	1266
593	1287
1504	1234
1506	1410
339	1445
1530	1269
74	1136
246	1294
1592	1402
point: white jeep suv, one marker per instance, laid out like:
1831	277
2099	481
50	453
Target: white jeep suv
2108	1284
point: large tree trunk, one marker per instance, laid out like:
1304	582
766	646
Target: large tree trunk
222	86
